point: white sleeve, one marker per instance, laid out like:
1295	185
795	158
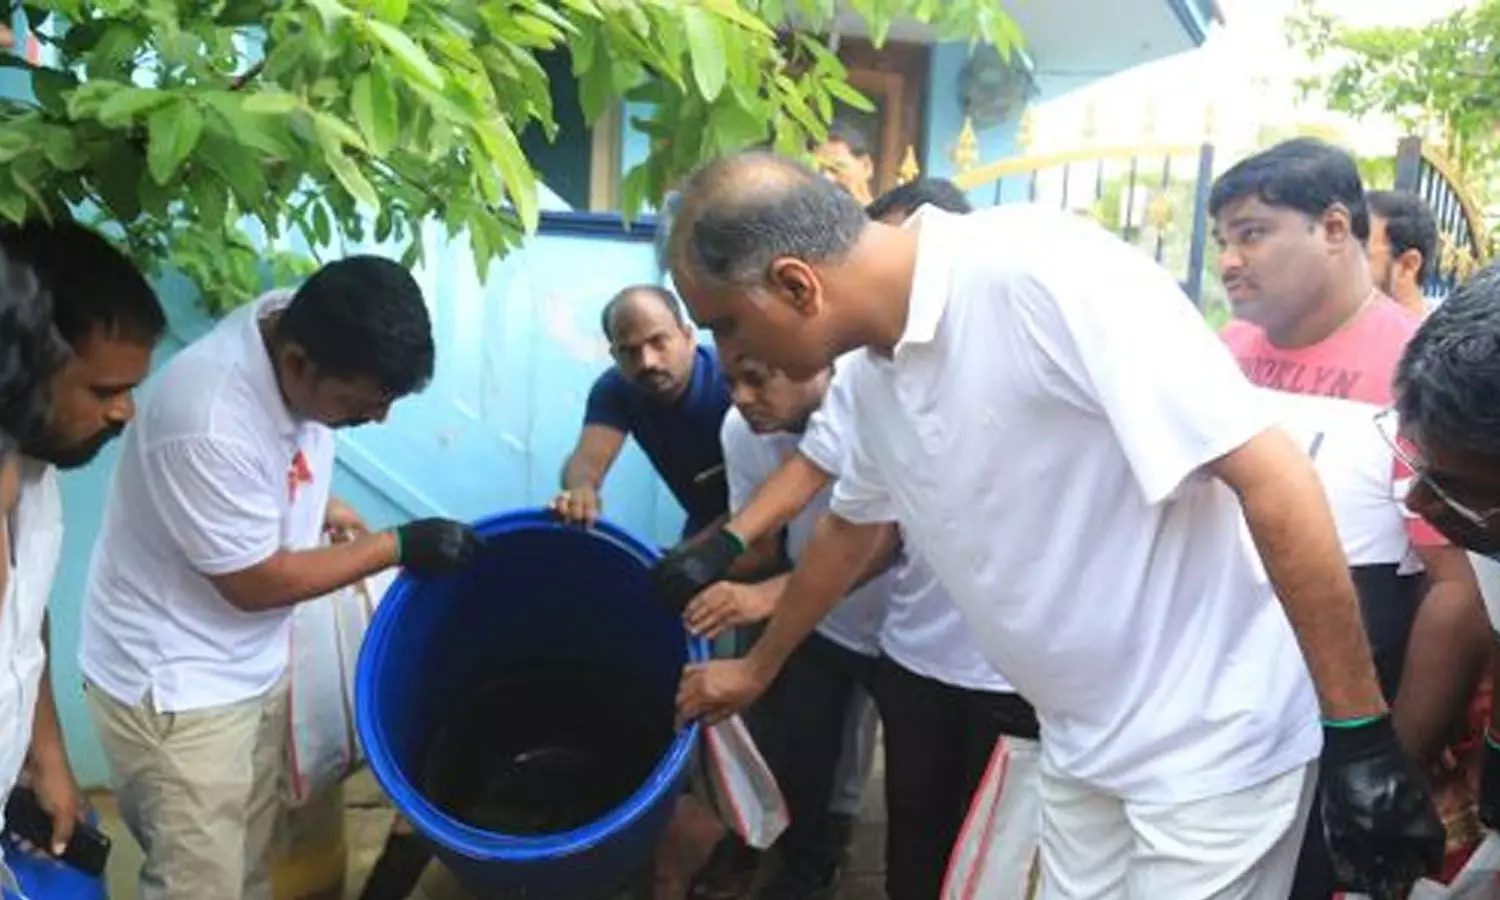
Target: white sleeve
740	469
860	494
825	442
219	506
1117	336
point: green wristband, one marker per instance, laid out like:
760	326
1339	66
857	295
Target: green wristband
737	541
1353	723
1489	740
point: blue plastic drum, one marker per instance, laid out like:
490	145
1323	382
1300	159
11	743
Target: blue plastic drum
41	878
519	713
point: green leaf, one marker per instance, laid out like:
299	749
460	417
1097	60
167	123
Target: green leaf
62	150
122	107
322	232
116	175
267	134
84	103
406	52
479	243
374	103
50	87
731	10
595	88
847	94
735	127
271	103
335	128
633	191
29	188
115	51
706	44
412	255
14	142
501	144
392	11
349	175
174	131
12	206
211	200
237	167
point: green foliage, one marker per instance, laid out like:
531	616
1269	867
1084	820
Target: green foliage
204	132
1443	74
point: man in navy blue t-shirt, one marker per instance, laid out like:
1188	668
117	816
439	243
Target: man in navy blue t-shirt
667	392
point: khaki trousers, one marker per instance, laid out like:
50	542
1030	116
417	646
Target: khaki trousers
199	790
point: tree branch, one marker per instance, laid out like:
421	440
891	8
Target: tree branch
247	76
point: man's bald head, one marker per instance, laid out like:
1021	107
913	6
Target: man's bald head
742	212
633	300
770	257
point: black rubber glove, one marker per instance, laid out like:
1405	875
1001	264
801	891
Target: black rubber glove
1489	784
694	565
434	546
1382	829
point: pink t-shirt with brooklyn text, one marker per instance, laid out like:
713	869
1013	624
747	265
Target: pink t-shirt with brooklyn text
1355	365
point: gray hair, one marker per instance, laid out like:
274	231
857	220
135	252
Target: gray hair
742	212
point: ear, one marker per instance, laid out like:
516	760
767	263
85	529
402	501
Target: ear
1337	224
1410	262
293	360
795	283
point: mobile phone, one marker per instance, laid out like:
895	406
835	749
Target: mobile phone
25	819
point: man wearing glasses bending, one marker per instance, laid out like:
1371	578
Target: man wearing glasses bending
1446	389
1313	328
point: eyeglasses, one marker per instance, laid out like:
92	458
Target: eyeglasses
1386	422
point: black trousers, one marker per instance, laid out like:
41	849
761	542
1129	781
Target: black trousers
799	726
1388	605
938	741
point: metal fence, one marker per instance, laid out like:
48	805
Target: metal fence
1463	235
1154	196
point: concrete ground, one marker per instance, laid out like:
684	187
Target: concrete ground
368	816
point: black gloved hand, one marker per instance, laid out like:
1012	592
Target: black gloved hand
1489	784
434	546
694	565
1382	829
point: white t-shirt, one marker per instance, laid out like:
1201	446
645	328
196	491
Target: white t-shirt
749	459
1039	434
923	631
214	477
1487	572
36	532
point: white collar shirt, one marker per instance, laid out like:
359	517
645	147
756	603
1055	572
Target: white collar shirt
1039	434
215	476
750	459
922	630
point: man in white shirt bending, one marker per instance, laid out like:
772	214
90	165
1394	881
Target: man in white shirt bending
1059	435
943	706
212	533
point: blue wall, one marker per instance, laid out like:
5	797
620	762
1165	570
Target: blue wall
516	358
945	119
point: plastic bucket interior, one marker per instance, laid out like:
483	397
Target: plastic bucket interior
542	596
